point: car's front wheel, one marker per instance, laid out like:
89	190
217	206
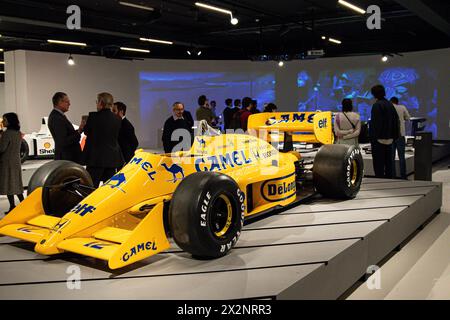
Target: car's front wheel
64	184
206	214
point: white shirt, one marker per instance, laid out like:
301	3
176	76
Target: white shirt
403	115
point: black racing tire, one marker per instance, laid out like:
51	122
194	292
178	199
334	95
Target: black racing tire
338	171
24	151
57	202
206	214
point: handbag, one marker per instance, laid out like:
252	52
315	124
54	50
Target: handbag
353	125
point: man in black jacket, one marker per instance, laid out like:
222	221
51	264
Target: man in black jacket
174	122
67	139
228	113
384	130
102	152
127	138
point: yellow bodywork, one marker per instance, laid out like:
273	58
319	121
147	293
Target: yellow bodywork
122	221
309	127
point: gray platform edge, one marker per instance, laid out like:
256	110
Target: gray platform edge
332	280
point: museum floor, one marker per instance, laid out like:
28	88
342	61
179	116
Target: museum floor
421	269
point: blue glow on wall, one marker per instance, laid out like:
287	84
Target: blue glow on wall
159	90
415	88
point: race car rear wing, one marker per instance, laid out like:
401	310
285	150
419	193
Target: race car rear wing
309	127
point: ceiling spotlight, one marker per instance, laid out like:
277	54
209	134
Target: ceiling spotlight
2	72
324	38
2	62
188	52
385	58
234	21
1	50
70	61
137	6
199	53
352	6
281	64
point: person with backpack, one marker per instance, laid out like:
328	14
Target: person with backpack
347	124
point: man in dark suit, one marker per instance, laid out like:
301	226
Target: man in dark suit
102	152
67	139
127	138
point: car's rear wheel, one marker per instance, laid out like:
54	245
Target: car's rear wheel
338	171
206	214
64	184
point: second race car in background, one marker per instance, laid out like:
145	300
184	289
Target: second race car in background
39	145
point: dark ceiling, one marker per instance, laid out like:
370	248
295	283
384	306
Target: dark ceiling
266	27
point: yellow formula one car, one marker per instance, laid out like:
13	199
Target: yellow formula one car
200	197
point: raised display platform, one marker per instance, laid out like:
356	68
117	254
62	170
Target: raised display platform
316	250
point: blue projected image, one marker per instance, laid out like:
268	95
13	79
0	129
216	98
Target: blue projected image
159	90
413	87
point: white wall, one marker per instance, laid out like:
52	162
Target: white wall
33	77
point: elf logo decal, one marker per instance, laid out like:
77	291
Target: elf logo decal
145	246
322	124
83	209
279	189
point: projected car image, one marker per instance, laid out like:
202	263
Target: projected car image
412	86
200	197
